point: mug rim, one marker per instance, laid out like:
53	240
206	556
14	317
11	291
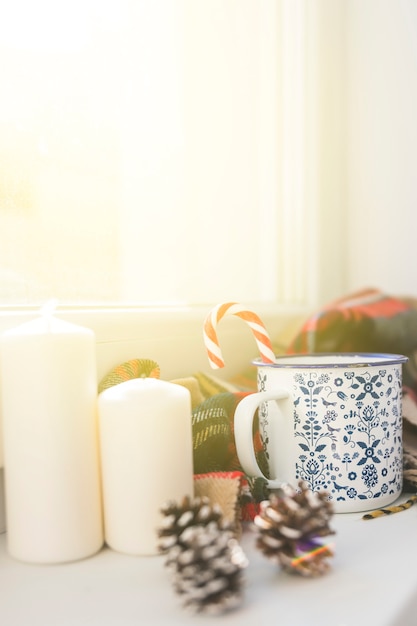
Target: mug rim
365	359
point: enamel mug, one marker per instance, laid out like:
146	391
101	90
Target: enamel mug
332	420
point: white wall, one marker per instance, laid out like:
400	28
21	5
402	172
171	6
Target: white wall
381	171
328	165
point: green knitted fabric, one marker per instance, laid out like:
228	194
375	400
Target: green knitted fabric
212	433
135	368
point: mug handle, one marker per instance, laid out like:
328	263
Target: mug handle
243	427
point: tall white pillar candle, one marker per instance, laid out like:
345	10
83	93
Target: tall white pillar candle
52	479
146	459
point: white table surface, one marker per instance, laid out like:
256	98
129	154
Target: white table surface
373	582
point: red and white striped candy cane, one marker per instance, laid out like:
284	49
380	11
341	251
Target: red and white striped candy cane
254	322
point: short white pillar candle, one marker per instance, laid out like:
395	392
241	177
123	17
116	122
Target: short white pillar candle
146	458
52	478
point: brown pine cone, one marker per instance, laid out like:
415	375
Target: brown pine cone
190	512
203	555
290	525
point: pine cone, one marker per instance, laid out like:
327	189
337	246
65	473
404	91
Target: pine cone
290	525
204	557
191	512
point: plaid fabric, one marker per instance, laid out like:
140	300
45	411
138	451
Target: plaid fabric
367	321
223	489
214	450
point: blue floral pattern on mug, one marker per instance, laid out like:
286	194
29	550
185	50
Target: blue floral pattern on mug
342	426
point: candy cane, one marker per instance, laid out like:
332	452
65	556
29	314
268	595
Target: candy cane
254	322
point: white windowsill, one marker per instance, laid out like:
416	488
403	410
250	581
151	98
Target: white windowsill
373	581
172	336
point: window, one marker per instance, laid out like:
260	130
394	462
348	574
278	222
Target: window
155	152
160	156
